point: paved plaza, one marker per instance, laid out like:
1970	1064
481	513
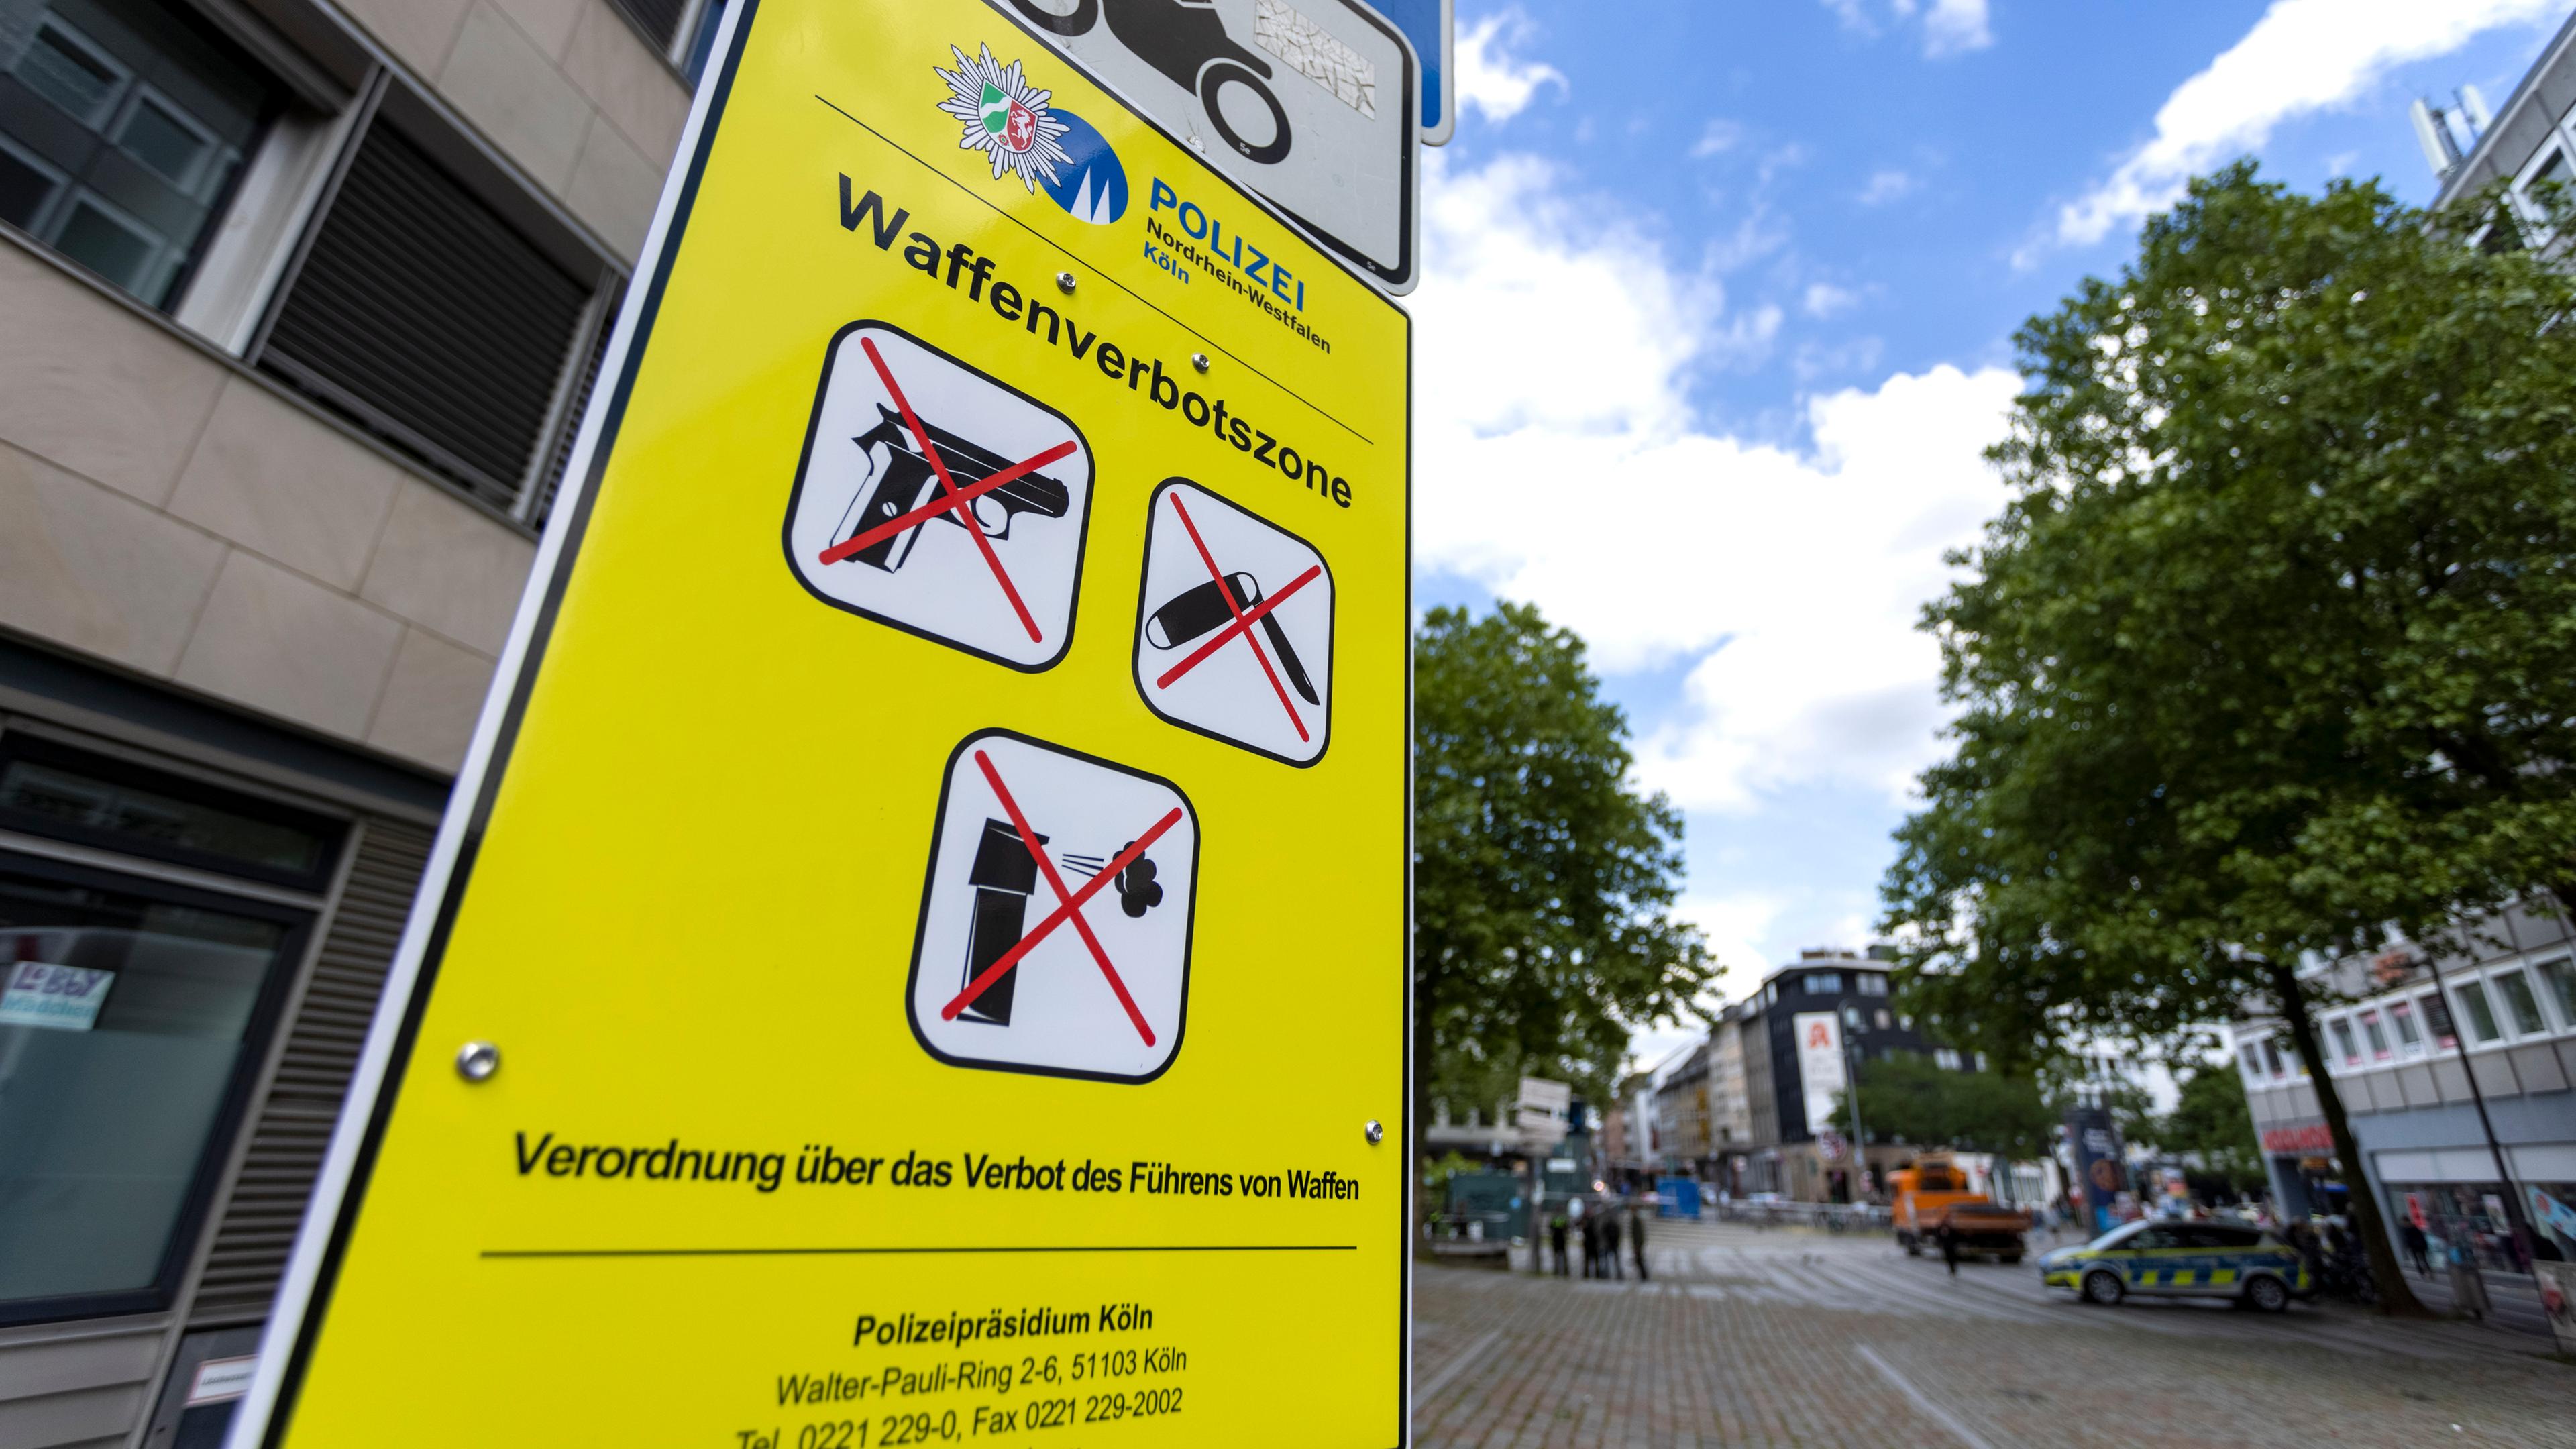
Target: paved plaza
1789	1336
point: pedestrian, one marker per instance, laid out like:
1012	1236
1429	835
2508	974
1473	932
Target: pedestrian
1556	1240
1610	1244
1637	1242
1948	1237
2468	1286
1591	1245
2412	1239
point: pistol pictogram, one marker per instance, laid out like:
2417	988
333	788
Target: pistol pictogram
900	479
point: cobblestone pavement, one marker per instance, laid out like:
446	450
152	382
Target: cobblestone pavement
1790	1337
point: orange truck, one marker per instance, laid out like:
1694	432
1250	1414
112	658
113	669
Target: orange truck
1934	1189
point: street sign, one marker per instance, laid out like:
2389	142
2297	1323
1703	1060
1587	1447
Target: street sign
1311	103
950	767
1431	28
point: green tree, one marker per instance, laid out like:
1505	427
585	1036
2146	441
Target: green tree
2212	1126
2274	647
1912	1099
1542	883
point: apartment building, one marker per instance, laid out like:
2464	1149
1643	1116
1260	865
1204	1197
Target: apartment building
299	304
1803	1033
2412	1057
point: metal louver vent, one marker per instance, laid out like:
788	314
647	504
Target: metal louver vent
659	19
570	430
287	1139
423	314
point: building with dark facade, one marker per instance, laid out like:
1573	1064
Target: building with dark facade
300	301
1803	1034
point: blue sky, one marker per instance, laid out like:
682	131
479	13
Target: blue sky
1748	271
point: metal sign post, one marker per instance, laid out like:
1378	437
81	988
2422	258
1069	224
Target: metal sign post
950	767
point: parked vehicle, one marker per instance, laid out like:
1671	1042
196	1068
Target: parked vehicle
2170	1259
1933	1190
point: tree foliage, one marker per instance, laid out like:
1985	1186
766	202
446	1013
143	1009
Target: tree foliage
1913	1099
2212	1127
2274	646
1542	883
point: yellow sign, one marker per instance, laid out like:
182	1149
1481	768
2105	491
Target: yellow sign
920	956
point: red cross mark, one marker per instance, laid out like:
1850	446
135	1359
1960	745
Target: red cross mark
1069	907
955	498
1243	620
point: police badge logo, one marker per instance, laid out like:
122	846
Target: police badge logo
1001	116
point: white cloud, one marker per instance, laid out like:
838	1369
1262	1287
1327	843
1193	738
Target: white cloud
1956	26
1738	928
1491	81
1718	136
1886	186
2302	56
1824	299
1560	462
1950	27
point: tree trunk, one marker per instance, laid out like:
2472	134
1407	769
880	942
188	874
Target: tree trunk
2395	1297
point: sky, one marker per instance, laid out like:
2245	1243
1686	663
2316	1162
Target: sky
1716	321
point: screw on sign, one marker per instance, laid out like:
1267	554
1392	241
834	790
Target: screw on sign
1218	649
1075	993
940	500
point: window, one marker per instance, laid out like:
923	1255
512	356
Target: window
122	123
2374	1034
2218	1237
133	1013
2253	1063
2479	1012
658	19
2543	193
2437	1021
1852	1017
2272	1056
2345	1046
1884	1020
1822	983
55	790
2519	1003
1871	983
693	66
2558	979
2402	1015
431	317
682	32
1946	1059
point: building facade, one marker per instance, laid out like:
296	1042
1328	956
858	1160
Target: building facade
302	301
1681	1113
2528	146
1803	1034
2411	1060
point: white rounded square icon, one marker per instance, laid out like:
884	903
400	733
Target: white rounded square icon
1055	923
939	499
1234	628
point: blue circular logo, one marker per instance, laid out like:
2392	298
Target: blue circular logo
1092	186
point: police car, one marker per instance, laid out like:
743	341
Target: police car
2181	1259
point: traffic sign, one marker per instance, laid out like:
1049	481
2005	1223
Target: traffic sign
1312	103
848	1001
1431	28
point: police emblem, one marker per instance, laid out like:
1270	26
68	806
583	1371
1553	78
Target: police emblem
999	115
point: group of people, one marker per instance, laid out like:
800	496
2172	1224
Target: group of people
1598	1224
2459	1255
